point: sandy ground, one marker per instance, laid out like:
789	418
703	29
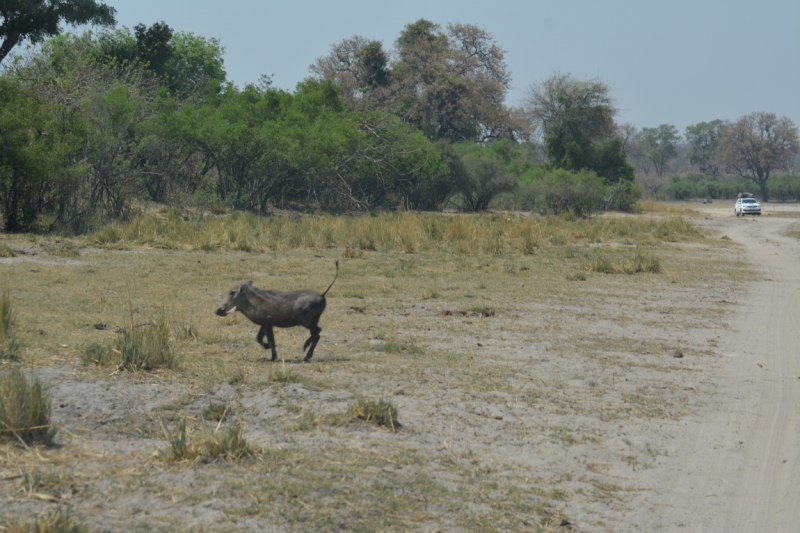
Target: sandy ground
568	400
737	465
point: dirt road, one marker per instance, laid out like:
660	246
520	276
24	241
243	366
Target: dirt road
738	470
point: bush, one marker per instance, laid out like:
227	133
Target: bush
786	187
691	186
25	409
9	347
557	191
623	197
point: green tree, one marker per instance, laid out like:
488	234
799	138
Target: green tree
571	115
449	84
756	144
576	118
358	67
185	63
35	20
703	140
659	145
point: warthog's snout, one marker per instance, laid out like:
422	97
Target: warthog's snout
221	311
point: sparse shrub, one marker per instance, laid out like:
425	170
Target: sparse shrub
236	378
146	348
98	354
5	251
65	250
55	521
633	264
480	310
428	294
224	443
25	409
353	253
183	330
641	262
136	348
529	244
310	419
281	374
9	347
37	480
602	264
216	412
380	412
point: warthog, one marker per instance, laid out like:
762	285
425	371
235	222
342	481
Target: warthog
269	309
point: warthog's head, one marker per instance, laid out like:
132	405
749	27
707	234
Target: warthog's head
234	299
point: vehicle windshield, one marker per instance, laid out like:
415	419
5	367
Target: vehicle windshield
749	201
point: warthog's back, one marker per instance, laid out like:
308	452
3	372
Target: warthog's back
287	309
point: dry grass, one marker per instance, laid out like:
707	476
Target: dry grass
485	234
9	347
5	251
652	206
55	521
521	336
24	409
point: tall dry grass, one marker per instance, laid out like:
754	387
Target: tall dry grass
488	233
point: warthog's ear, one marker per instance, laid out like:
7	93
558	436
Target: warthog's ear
250	283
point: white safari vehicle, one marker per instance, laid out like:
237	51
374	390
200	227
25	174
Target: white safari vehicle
746	205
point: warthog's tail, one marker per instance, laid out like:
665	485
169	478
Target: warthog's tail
334	279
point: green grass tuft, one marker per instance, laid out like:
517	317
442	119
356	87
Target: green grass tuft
25	409
380	412
146	348
143	347
98	354
221	443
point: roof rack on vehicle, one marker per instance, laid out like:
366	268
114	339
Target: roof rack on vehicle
745	195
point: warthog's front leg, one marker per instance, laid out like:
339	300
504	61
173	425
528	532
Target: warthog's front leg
270	344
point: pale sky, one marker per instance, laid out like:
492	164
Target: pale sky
677	62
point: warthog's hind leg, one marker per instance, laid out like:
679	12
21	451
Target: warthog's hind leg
312	341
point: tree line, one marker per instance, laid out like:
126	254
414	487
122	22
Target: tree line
91	125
